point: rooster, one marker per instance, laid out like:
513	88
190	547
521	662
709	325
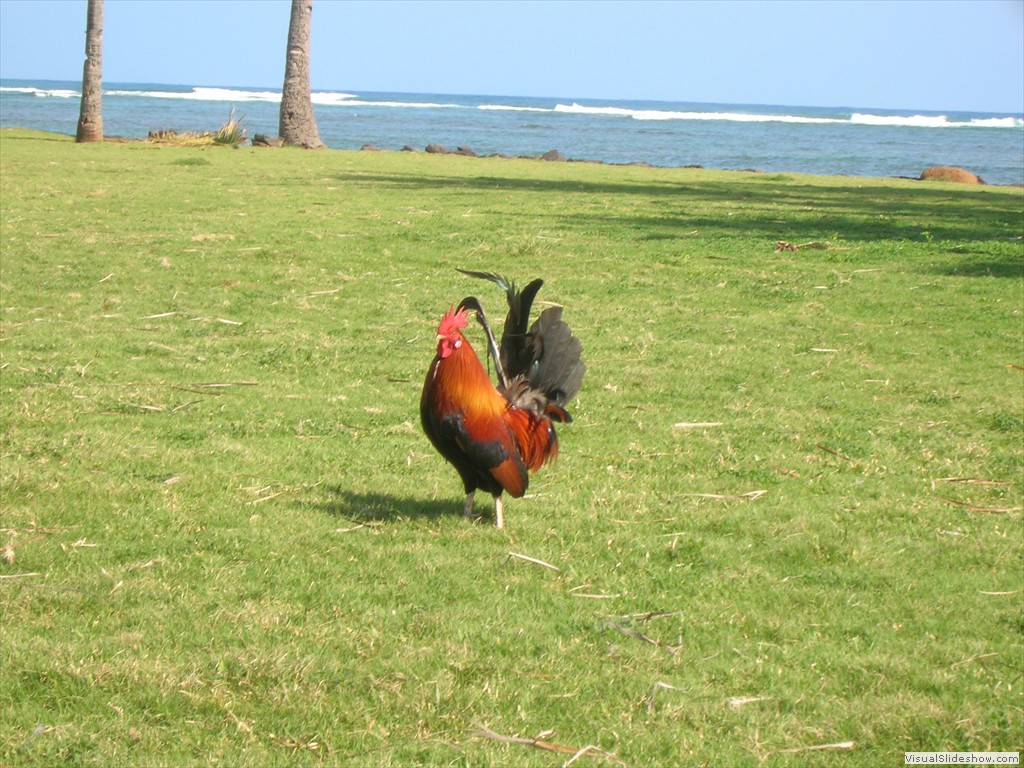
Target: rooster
495	436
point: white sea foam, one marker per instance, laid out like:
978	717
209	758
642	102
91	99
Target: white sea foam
202	94
912	121
59	93
857	118
579	109
341	99
736	117
234	95
510	108
401	104
661	114
997	122
326	98
935	121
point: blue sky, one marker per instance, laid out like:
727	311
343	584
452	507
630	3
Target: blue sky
921	54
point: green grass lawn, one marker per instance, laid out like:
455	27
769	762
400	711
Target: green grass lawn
785	527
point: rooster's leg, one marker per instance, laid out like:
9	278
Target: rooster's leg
467	511
499	518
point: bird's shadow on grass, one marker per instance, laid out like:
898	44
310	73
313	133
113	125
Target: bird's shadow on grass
381	507
1010	267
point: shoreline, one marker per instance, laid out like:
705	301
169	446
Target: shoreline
951	174
826	141
172	138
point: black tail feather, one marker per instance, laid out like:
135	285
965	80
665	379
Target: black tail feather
548	355
557	366
516	344
515	354
472	303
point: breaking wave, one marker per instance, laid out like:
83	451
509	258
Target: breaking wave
57	93
409	101
856	118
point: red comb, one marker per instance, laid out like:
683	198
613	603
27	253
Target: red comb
453	320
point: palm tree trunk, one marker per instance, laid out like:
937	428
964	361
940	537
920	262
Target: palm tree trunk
90	116
298	123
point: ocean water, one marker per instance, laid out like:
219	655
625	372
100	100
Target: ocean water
819	140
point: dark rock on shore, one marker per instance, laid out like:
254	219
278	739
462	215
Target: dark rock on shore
932	173
950	173
262	140
439	149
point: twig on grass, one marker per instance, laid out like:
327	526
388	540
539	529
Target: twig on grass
816	245
816	747
260	500
195	391
738	701
240	725
8	550
349	530
654	689
748	496
533	560
973	481
210	388
971	659
647	616
590	750
696	424
629	632
975	508
584	751
733	701
356	524
837	454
